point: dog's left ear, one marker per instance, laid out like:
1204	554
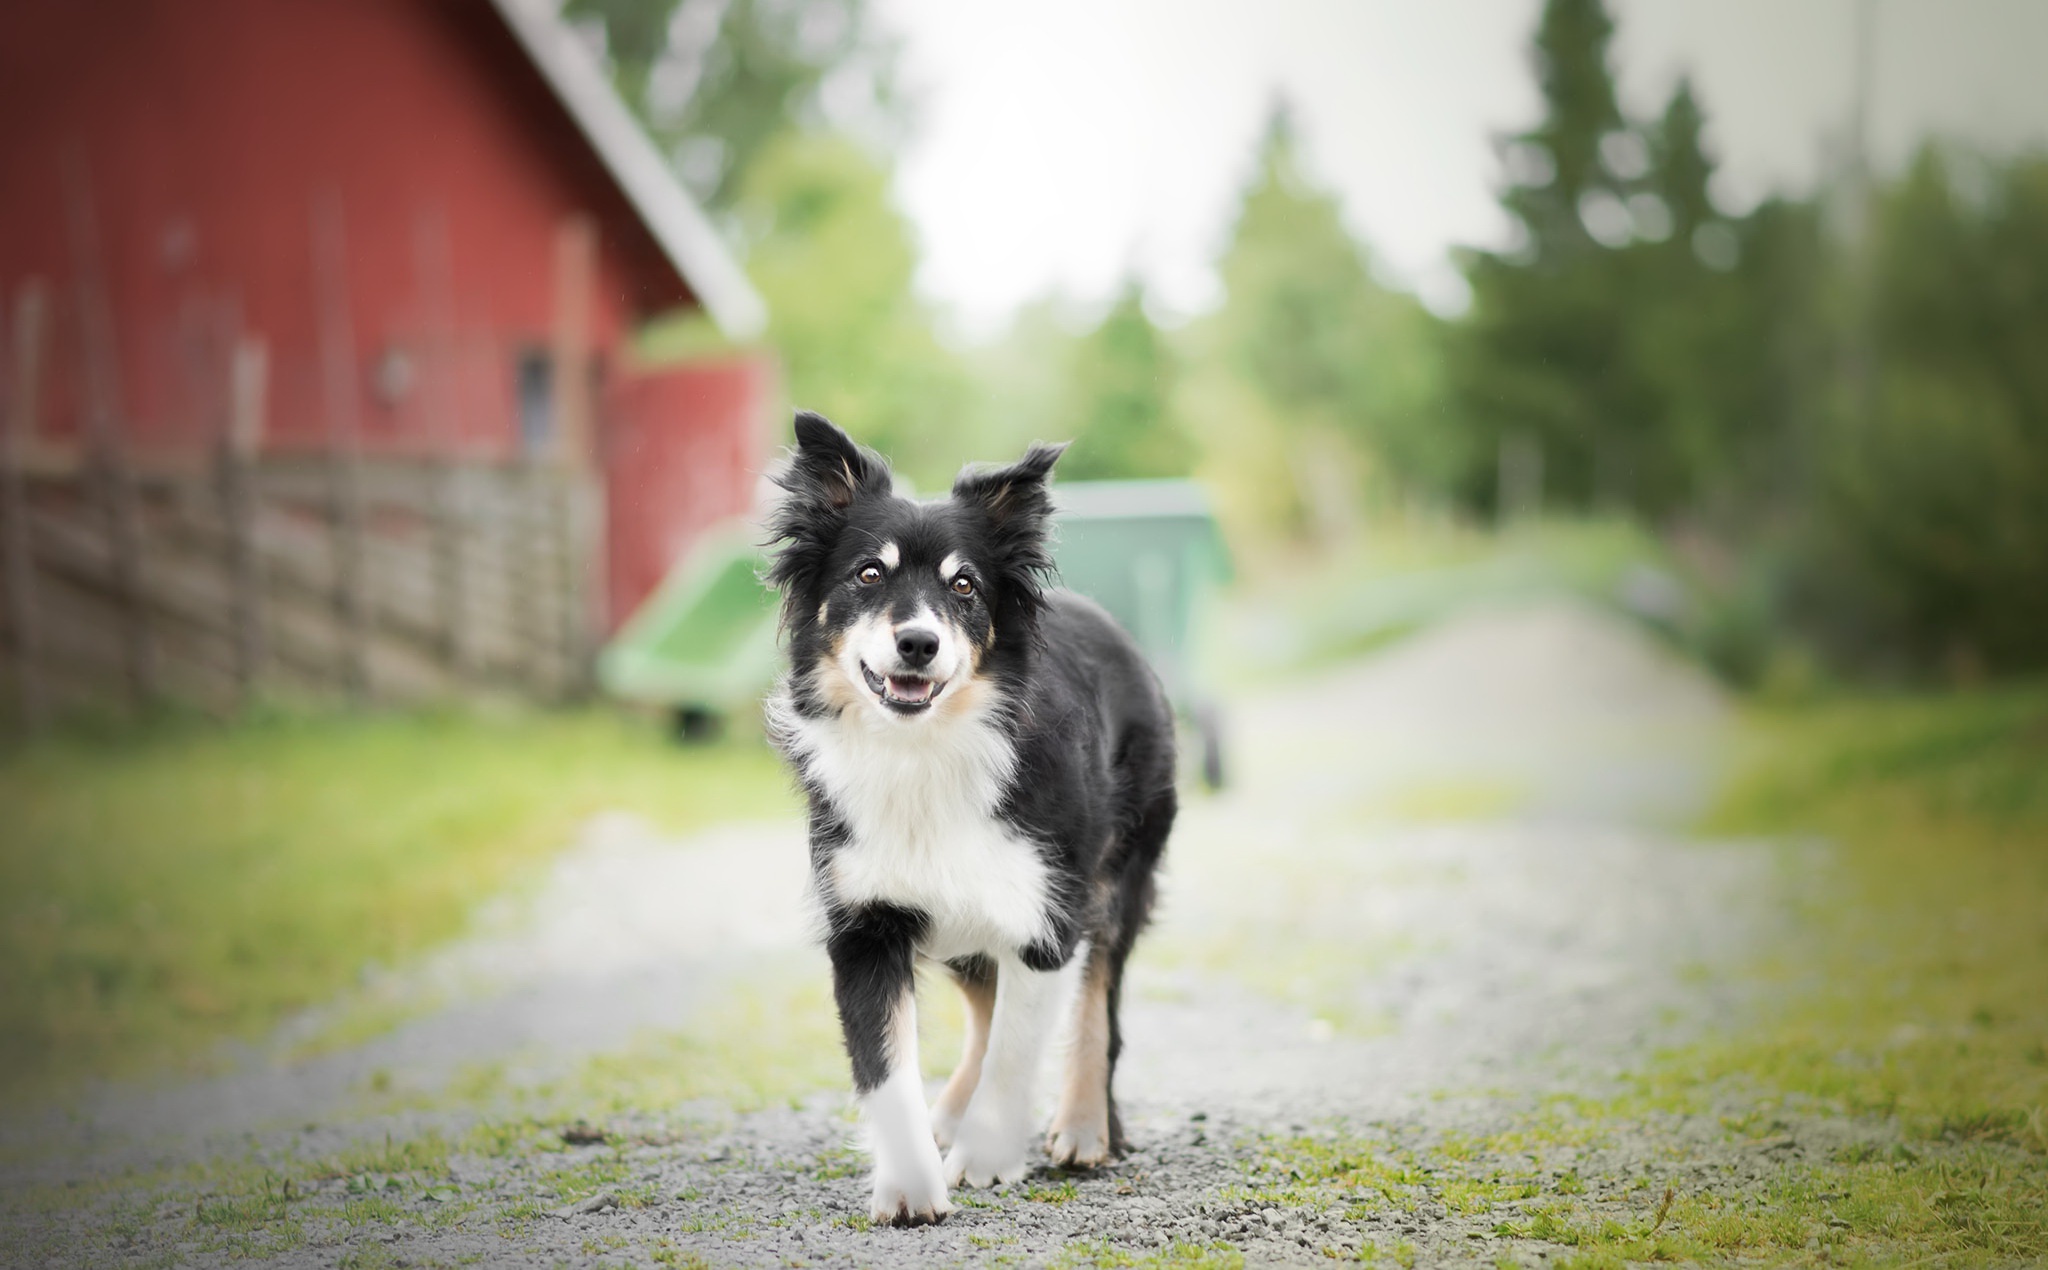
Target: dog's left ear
1014	497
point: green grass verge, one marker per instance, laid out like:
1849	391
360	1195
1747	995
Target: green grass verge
1889	1108
1920	985
1394	580
162	891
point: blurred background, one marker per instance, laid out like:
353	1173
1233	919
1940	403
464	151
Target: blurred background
387	388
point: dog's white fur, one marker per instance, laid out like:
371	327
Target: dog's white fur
920	805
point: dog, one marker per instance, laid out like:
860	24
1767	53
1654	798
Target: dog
989	766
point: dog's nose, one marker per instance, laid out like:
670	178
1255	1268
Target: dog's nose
917	646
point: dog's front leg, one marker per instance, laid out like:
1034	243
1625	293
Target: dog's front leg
873	955
994	1139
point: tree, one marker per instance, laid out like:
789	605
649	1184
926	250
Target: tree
1564	151
1344	366
1933	507
1541	357
1120	392
834	261
715	81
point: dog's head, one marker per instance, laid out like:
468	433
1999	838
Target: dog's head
912	609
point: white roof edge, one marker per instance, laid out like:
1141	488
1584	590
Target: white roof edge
679	226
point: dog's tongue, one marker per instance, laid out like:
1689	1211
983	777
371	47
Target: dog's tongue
909	689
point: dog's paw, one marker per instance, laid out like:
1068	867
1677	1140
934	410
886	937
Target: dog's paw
918	1199
1077	1145
987	1152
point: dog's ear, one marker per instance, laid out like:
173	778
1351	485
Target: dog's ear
1019	512
1013	495
829	467
825	478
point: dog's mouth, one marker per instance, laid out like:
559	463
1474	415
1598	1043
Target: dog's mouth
905	693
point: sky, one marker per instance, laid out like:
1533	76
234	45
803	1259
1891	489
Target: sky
1064	144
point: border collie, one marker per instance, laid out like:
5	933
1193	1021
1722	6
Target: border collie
990	770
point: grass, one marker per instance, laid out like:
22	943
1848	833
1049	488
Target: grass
1915	994
160	891
1906	1049
1395	579
1920	985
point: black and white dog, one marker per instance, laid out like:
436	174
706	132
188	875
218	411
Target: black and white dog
990	769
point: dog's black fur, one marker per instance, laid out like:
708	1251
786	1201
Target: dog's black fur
1091	787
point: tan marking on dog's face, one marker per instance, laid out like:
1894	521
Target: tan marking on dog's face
823	610
829	674
890	555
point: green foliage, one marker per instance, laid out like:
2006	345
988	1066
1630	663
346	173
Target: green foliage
1618	337
1334	373
160	891
1121	386
834	261
1570	50
1935	482
716	81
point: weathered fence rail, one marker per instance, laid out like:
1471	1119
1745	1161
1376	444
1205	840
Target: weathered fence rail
250	575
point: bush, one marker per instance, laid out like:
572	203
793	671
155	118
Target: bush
1932	533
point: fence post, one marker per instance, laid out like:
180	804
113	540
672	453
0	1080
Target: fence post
114	480
344	478
248	381
450	505
575	451
29	312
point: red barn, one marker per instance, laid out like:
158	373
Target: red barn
433	223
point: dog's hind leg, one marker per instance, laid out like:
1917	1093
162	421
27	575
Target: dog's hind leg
994	1138
977	979
1080	1135
1087	1130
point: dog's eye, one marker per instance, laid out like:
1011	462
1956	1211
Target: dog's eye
869	574
963	585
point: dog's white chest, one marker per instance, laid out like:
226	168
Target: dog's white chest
981	887
919	809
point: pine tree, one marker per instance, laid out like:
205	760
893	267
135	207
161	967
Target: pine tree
1542	361
1680	168
1570	51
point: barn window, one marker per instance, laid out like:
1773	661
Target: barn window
535	377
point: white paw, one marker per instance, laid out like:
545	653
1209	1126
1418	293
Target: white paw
915	1196
988	1152
1078	1146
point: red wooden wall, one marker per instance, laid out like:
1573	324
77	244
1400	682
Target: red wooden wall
180	148
203	131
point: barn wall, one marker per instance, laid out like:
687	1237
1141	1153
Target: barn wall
684	448
197	136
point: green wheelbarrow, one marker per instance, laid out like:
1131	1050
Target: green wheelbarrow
1152	554
703	645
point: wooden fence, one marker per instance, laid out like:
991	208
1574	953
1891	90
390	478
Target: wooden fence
210	578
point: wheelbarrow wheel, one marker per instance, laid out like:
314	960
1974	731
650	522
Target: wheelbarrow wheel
697	725
1209	728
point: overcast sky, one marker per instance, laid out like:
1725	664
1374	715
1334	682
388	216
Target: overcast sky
1064	142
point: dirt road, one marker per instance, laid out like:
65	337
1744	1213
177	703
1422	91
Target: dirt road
1447	886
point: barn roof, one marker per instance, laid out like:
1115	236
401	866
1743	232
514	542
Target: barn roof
686	237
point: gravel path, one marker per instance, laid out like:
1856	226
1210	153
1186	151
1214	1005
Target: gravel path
1444	887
